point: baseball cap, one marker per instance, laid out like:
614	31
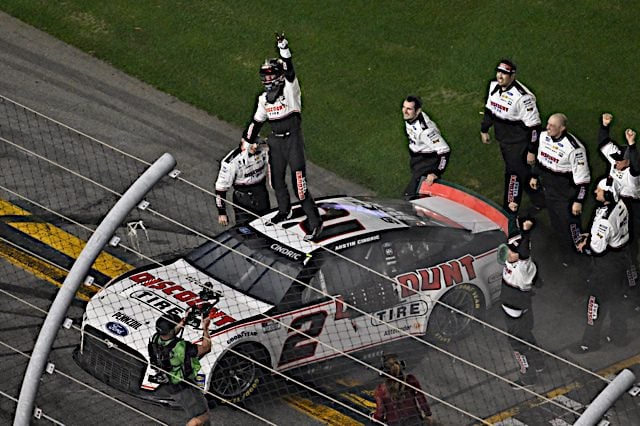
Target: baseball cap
617	156
506	66
166	323
609	185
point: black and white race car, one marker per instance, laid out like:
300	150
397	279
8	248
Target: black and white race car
278	303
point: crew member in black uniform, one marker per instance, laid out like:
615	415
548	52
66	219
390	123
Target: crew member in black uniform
518	279
244	169
280	104
625	170
428	150
512	111
607	244
563	172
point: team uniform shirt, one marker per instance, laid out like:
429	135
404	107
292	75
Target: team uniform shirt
289	102
513	113
610	228
628	183
240	168
424	136
565	156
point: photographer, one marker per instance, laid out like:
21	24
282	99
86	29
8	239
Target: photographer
178	363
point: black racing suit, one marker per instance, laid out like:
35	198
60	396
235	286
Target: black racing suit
286	143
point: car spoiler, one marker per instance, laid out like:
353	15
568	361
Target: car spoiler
472	211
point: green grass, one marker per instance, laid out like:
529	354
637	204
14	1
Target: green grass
356	61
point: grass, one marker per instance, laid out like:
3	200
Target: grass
358	59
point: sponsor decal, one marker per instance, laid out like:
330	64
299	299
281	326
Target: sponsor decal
301	185
245	230
514	188
497	106
407	310
156	299
548	157
393	331
354	243
291	254
125	319
269	326
116	328
241	335
522	361
436	277
592	310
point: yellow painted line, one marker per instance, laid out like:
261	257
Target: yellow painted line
321	412
42	269
532	403
357	399
62	241
8	209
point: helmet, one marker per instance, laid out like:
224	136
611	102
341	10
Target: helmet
272	74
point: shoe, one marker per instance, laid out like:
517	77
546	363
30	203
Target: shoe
518	384
280	217
583	348
314	234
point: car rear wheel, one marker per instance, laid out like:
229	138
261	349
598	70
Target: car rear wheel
445	324
238	373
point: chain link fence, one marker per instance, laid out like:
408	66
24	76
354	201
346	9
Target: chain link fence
304	331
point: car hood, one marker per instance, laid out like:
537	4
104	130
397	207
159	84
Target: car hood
127	309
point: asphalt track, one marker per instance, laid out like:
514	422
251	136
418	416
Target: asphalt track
92	97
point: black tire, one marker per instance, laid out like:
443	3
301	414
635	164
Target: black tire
445	324
238	373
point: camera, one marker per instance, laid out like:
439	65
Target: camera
159	378
210	297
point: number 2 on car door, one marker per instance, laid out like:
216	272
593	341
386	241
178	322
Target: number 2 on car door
302	344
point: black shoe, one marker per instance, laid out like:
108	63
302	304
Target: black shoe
281	217
518	384
314	234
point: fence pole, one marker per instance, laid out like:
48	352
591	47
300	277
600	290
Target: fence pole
606	398
131	198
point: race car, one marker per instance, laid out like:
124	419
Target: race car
379	272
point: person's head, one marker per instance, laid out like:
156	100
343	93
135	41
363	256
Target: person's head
411	107
272	77
166	326
607	191
392	365
505	72
621	160
556	125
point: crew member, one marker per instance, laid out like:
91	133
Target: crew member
428	150
607	243
281	105
625	171
563	172
512	111
178	363
518	277
244	169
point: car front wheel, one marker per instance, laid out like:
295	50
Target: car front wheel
238	373
445	323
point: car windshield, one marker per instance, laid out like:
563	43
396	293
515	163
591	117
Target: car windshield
249	268
404	211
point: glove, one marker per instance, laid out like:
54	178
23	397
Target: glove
281	42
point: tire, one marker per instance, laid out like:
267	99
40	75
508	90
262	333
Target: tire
445	324
234	378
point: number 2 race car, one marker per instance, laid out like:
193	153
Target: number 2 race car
276	302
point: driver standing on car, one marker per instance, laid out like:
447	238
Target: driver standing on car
244	169
280	104
518	278
178	363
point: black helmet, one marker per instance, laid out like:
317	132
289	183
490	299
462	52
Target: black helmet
272	74
166	323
